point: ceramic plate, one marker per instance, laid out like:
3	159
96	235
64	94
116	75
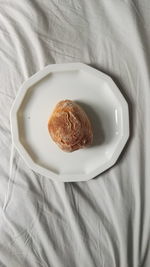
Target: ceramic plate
100	98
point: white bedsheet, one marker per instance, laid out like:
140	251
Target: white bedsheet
104	222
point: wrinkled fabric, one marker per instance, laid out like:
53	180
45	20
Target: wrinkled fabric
104	222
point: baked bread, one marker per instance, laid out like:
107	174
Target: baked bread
70	127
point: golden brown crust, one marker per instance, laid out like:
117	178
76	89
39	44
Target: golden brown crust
70	127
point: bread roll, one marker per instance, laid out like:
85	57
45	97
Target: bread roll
70	127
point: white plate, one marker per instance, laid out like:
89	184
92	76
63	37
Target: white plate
102	101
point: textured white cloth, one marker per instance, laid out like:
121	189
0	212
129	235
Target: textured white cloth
104	222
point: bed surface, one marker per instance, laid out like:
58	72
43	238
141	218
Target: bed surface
105	221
